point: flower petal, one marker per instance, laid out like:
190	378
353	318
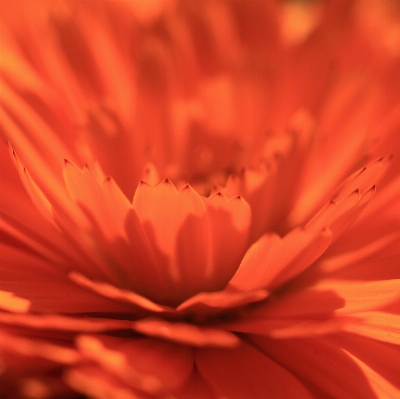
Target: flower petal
63	323
97	384
39	349
176	227
273	260
319	362
214	302
362	296
229	228
307	312
382	387
377	325
363	179
185	333
36	195
246	372
85	191
196	388
378	360
197	243
338	215
147	364
364	260
112	292
46	285
12	303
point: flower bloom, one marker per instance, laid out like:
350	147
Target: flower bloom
199	199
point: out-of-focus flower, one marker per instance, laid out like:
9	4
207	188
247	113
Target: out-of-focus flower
199	199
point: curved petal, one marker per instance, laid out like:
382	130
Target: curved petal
47	287
320	362
377	325
305	313
362	296
196	388
98	384
33	348
378	360
185	333
209	303
229	222
176	227
12	303
63	323
273	260
150	365
198	243
337	215
246	372
109	291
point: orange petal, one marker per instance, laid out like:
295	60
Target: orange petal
229	222
98	384
362	296
307	312
109	291
63	323
363	179
209	303
377	325
177	229
382	387
103	226
364	260
116	203
329	368
36	195
338	215
12	303
273	260
163	210
46	286
186	334
85	191
197	243
41	349
148	364
245	372
378	360
195	388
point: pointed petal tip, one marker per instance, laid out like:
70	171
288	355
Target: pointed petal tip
143	183
372	188
385	158
166	183
326	232
362	170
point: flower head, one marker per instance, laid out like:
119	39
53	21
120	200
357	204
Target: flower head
201	200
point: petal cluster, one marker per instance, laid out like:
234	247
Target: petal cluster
199	199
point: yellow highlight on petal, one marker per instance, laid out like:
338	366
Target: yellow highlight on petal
12	303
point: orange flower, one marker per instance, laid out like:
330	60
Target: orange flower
199	199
